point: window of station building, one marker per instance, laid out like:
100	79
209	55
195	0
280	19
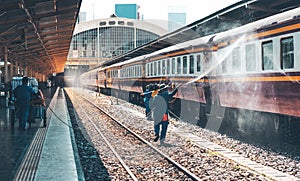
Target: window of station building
178	65
184	64
198	60
173	66
121	23
75	43
111	22
250	57
192	64
236	60
102	23
144	37
112	37
287	53
267	55
130	23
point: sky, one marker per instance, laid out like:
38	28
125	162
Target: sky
156	9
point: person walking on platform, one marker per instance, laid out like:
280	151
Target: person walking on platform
159	106
23	94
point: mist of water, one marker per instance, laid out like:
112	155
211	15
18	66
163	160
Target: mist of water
220	58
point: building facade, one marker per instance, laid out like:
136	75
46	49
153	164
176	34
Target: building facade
99	40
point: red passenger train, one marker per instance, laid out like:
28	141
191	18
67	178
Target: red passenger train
249	75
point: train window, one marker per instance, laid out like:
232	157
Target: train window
236	59
178	65
147	70
287	53
250	57
198	59
184	63
151	69
224	65
192	66
173	66
108	74
163	64
168	66
139	71
155	68
267	55
159	68
132	71
129	72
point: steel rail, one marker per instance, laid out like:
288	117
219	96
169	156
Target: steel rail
169	159
109	145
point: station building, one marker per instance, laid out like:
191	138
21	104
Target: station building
99	40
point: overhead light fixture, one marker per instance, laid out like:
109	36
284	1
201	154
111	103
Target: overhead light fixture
21	4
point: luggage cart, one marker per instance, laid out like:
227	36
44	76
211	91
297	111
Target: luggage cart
37	104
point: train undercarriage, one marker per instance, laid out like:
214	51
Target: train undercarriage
251	126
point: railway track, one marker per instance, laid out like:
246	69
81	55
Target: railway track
197	158
118	132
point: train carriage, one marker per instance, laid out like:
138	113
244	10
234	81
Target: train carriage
252	69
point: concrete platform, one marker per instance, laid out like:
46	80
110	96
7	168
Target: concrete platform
57	161
39	153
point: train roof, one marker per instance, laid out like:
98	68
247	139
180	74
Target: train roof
261	24
215	37
238	14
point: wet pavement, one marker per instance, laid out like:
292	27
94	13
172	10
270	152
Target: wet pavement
14	142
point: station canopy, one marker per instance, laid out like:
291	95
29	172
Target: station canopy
238	14
37	33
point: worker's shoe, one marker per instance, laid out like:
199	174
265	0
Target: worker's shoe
162	143
156	138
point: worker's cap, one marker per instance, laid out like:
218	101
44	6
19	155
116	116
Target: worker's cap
155	87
